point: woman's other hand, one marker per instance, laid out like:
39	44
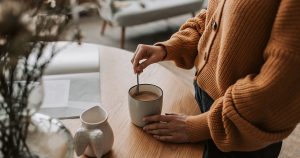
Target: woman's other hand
152	54
168	128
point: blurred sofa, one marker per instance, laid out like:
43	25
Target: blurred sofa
127	13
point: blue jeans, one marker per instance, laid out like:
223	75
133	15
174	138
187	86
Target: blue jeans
210	149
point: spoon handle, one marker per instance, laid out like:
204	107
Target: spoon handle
138	84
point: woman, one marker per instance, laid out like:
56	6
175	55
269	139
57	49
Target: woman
247	59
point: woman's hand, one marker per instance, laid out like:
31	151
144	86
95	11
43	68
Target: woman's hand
152	54
168	128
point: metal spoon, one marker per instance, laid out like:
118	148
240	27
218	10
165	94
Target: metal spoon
138	84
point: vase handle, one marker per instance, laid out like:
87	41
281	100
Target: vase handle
97	142
81	140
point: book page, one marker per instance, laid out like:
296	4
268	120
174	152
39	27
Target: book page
56	93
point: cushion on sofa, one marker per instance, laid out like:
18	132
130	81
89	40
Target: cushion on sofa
139	12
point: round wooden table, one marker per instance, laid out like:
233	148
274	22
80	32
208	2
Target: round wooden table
116	77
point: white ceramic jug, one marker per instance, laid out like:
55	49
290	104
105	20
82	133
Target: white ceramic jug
95	137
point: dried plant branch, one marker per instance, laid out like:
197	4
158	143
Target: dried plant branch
26	27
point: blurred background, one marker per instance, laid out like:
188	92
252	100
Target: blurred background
141	21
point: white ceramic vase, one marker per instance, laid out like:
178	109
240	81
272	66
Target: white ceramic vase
95	137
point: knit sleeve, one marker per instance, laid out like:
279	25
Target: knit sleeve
182	46
263	108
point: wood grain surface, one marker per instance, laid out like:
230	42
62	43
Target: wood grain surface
116	77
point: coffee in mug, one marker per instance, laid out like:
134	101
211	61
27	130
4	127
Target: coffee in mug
148	101
145	96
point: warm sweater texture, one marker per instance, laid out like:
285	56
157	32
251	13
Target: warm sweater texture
247	56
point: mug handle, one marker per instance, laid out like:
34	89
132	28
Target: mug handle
81	141
97	141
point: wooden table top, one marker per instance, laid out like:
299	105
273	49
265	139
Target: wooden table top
116	77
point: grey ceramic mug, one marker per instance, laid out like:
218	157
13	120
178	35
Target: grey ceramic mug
138	109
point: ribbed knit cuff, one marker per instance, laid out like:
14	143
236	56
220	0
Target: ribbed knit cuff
165	49
171	46
198	129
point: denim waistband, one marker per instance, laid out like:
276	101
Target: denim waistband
203	99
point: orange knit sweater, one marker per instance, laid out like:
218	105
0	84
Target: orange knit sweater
247	57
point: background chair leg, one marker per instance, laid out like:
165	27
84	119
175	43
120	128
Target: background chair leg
193	14
123	37
104	23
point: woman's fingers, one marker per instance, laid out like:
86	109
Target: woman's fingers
141	53
158	118
164	138
158	125
137	50
161	132
138	56
169	128
152	54
144	64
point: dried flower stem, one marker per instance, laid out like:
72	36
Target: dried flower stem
23	45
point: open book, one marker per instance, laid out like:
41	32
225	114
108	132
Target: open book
67	96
